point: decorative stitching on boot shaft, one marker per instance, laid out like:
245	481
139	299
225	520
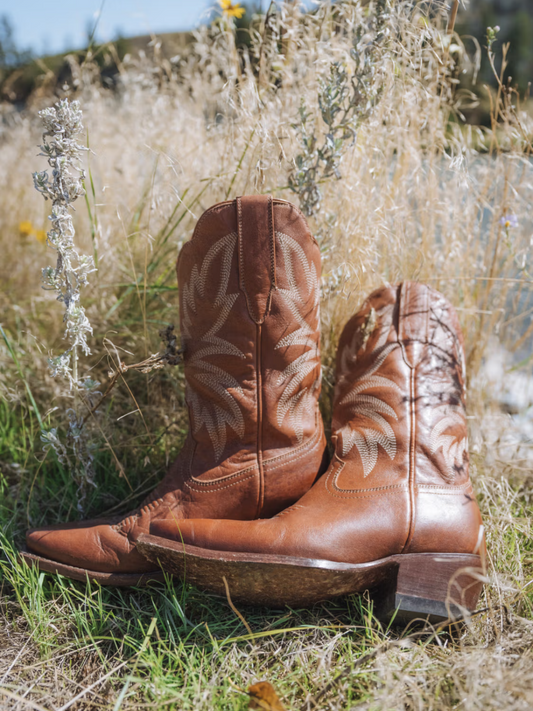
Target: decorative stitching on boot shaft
211	415
294	401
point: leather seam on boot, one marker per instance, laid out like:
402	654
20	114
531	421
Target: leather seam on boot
152	506
259	386
131	518
389	492
294	454
227	477
407	332
256	318
376	491
292	460
289	206
412	459
306	448
213	491
444	492
294	507
272	232
213	486
333	475
446	487
283	204
228	203
209	211
119	527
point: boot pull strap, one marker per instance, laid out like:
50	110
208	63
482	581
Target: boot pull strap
257	253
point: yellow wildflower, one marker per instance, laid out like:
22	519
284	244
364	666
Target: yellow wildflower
26	228
231	9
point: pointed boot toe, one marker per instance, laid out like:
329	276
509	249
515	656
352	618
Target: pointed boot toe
395	512
36	540
91	550
61	542
74	545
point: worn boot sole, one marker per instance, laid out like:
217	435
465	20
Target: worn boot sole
427	586
122	580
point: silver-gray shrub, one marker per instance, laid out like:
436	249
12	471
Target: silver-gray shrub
63	185
346	97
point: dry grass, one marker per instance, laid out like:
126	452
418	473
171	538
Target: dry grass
421	197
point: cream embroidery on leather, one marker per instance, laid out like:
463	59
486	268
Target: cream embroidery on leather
382	316
213	416
365	437
453	449
295	401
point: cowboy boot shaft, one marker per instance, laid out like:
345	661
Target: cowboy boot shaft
250	327
371	425
445	516
292	432
400	394
219	343
400	415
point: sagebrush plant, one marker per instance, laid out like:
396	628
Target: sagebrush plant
62	125
421	195
346	98
63	186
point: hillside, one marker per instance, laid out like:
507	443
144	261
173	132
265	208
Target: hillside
43	74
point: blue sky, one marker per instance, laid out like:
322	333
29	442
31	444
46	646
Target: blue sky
48	26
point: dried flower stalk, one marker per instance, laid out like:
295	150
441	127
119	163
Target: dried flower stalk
62	124
63	186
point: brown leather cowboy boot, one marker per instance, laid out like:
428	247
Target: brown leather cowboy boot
394	511
249	315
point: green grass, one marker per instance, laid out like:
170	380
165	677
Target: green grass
171	646
182	648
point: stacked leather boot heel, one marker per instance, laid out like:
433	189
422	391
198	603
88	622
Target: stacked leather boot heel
249	319
395	512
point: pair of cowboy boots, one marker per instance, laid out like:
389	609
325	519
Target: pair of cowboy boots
250	504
